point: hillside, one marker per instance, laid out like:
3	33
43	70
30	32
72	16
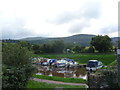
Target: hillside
79	39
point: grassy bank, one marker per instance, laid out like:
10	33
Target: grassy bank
82	58
35	84
72	80
111	65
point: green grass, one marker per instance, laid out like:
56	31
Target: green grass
111	65
114	63
82	58
72	80
35	84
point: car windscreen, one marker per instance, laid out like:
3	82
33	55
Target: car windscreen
92	64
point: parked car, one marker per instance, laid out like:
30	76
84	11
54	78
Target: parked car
94	65
52	61
60	65
45	64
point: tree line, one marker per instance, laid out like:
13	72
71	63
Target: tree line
101	44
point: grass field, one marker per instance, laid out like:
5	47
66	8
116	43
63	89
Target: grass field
39	85
82	58
72	80
111	65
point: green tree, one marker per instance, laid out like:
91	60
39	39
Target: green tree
46	48
16	64
58	46
101	43
77	49
36	49
89	49
25	44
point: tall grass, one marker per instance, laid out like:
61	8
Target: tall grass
82	58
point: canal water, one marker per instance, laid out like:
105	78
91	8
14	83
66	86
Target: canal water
75	72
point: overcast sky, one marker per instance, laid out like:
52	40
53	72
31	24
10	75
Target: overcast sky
58	18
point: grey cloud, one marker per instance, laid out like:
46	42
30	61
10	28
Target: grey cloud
92	10
109	29
78	27
89	10
66	17
15	30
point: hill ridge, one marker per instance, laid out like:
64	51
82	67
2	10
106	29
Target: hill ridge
78	39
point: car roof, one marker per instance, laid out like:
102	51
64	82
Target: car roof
94	60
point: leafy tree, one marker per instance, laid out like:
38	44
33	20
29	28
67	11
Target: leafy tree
89	50
58	46
25	44
16	65
46	48
36	49
77	49
101	43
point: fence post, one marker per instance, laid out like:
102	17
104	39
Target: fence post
88	79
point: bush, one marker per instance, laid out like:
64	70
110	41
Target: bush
17	66
105	78
88	50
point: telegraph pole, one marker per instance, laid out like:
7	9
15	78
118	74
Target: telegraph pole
118	49
118	60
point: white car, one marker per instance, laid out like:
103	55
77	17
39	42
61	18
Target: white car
45	64
94	65
60	65
73	64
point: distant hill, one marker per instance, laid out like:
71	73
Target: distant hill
32	38
79	39
114	39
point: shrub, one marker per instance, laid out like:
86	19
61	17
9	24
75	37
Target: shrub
105	78
16	66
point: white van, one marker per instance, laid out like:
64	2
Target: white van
94	65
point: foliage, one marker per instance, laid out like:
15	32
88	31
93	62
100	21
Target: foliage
58	46
89	49
102	43
46	48
25	44
16	65
35	84
36	49
75	80
78	49
104	79
55	47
